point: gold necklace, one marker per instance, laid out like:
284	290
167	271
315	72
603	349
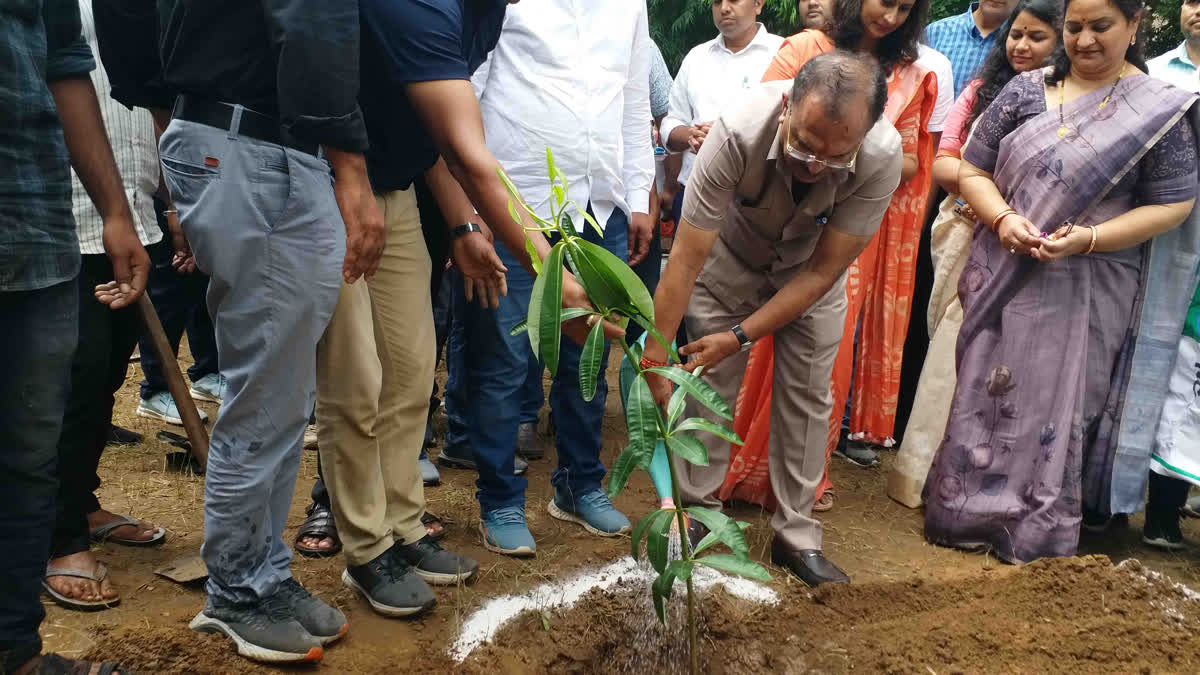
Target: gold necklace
1062	85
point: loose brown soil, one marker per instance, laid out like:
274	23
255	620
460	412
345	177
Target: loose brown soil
912	608
1068	615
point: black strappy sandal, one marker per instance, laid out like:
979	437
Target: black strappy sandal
318	524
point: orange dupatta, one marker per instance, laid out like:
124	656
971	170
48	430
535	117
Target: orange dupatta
879	285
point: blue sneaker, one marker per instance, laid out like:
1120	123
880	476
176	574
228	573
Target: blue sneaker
504	531
160	406
592	510
210	388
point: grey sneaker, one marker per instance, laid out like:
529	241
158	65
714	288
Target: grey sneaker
435	564
390	585
264	631
319	619
527	442
429	472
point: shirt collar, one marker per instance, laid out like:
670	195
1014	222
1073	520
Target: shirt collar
972	27
1181	55
759	41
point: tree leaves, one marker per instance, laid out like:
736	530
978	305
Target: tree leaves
642	527
617	272
689	449
697	389
641	416
739	565
619	476
656	542
590	361
701	424
547	299
725	528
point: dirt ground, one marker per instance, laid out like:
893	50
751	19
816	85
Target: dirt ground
913	607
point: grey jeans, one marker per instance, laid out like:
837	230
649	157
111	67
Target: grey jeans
263	223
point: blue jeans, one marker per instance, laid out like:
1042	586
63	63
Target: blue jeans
266	228
505	384
179	300
39	338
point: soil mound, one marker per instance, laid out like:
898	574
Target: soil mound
1065	615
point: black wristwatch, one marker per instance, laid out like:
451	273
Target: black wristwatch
465	228
741	336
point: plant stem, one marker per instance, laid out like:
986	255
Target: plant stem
693	655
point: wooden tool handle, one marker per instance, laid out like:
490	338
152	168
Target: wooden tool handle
196	432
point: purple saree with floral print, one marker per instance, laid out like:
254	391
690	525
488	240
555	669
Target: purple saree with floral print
1044	346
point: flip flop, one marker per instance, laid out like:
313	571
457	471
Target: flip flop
98	575
103	533
318	524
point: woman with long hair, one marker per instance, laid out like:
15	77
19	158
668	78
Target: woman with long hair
879	284
1025	42
1073	294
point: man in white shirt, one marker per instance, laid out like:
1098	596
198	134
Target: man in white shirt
1179	66
716	73
574	77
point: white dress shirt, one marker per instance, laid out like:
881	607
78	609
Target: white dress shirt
131	134
712	77
936	61
1176	67
574	76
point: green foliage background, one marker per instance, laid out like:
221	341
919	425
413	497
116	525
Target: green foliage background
679	25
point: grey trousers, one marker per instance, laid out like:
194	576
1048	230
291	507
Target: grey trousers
263	224
800	406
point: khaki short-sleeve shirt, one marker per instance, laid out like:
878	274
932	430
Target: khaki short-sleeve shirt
740	185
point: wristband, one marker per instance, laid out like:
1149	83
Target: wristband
741	336
1095	236
647	364
465	228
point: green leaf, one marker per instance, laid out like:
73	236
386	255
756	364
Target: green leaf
605	293
641	416
620	471
660	590
642	527
559	195
550	318
521	327
697	389
516	215
688	448
590	361
681	568
569	313
723	526
533	255
675	407
650	329
622	275
706	543
701	424
533	319
735	564
551	169
591	221
508	185
657	543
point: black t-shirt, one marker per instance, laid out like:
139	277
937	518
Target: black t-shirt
416	41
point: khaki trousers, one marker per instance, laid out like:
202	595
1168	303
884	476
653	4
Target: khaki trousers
375	368
800	405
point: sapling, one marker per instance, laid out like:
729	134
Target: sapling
618	295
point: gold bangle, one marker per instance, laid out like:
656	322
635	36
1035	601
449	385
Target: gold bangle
1095	236
1000	216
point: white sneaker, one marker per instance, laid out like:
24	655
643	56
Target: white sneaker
210	388
161	406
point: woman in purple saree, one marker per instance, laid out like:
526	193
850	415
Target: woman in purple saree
1052	311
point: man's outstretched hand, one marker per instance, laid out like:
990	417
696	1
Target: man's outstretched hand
130	263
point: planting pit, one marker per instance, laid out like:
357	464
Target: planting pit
1067	615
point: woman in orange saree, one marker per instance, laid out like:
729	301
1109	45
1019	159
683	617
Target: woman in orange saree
879	284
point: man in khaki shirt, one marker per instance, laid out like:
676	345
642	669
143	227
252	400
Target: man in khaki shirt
785	193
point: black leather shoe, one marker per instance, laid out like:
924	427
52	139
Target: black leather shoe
528	445
121	436
810	565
